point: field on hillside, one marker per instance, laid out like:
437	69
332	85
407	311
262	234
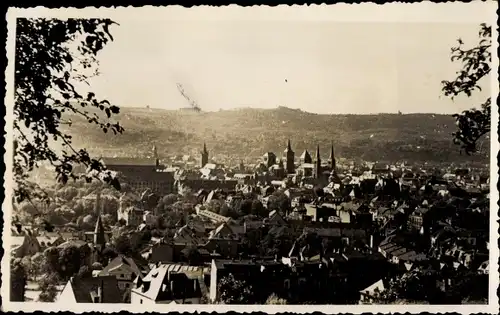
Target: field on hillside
251	132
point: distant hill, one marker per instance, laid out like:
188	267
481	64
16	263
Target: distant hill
251	132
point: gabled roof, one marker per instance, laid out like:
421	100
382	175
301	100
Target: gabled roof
305	155
154	282
85	288
377	286
120	261
269	154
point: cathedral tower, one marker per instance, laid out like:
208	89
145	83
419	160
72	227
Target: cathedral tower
333	163
155	156
204	155
99	237
289	158
317	166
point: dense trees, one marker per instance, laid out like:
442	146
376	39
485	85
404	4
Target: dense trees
48	287
472	124
47	71
279	201
66	262
18	280
234	291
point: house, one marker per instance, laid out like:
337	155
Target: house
149	218
132	216
212	216
125	270
160	252
22	246
275	218
49	239
91	290
142	173
416	219
170	283
223	231
370	294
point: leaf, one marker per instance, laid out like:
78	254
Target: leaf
115	109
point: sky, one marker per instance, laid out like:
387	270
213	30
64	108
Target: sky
249	60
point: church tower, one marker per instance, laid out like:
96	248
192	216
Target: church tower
317	166
155	156
204	155
99	238
333	163
289	158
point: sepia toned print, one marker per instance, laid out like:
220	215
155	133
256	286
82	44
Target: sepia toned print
252	159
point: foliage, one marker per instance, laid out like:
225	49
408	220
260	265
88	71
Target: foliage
97	266
475	123
108	254
193	256
47	70
123	245
258	209
48	295
47	285
234	291
273	299
18	280
66	262
38	264
280	202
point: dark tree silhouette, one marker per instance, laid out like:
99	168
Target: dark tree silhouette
193	256
474	123
47	69
18	280
235	291
47	285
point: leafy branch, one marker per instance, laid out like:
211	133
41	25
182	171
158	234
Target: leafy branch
476	64
47	67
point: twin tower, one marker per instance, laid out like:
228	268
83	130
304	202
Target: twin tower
289	159
305	158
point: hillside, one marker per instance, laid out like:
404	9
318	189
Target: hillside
251	132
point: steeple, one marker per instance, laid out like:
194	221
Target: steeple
318	163
288	147
305	157
99	239
289	158
204	155
155	152
333	163
155	155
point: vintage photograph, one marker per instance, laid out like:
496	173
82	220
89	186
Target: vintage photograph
260	156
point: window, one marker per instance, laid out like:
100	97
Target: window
141	301
127	285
